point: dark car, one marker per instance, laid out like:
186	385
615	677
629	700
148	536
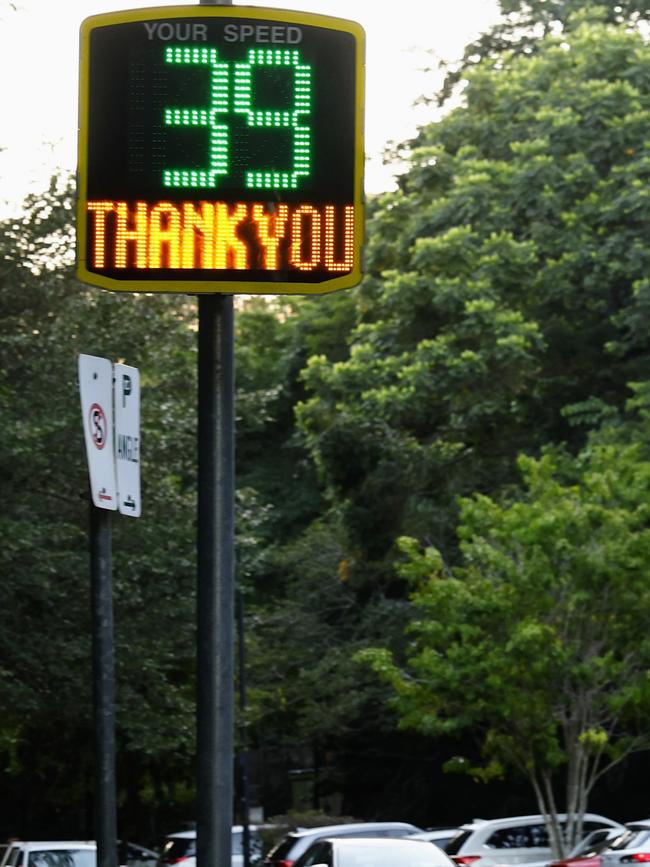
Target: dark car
288	850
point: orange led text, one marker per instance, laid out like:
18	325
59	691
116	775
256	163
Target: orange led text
219	236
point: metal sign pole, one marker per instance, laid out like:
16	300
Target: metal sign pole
215	592
103	685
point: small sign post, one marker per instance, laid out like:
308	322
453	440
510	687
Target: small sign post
112	441
96	391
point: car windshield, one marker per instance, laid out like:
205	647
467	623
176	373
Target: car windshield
593	843
62	858
280	852
177	848
629	839
456	842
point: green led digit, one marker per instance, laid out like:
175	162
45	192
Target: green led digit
293	119
204	117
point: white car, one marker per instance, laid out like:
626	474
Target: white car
52	853
372	852
515	840
180	848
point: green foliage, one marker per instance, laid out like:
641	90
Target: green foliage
537	641
526	23
505	307
506	283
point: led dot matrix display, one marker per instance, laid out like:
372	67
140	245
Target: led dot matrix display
220	150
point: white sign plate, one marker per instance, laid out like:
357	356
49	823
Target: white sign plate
96	390
127	439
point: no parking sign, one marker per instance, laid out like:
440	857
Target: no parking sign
96	390
112	437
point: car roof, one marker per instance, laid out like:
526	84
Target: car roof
56	844
360	842
476	824
346	827
191	835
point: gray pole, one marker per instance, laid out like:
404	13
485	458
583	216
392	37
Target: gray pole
215	588
244	794
103	652
215	591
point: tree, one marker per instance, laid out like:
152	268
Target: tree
46	319
507	280
523	26
537	641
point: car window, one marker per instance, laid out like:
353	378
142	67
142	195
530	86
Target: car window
62	858
177	848
519	837
592	825
593	843
629	839
441	842
456	842
280	852
6	854
318	853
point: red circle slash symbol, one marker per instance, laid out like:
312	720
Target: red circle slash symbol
97	421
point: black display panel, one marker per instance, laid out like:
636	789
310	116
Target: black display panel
220	147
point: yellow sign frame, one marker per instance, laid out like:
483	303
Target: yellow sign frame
188	286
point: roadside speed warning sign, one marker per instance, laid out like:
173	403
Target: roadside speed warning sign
96	390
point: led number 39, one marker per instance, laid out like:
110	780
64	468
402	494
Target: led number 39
231	91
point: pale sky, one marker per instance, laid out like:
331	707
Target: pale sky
39	66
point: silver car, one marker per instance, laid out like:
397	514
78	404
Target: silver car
515	840
631	846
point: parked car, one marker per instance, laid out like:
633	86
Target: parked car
82	853
632	846
289	849
134	855
53	853
587	852
440	836
372	852
514	840
180	847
